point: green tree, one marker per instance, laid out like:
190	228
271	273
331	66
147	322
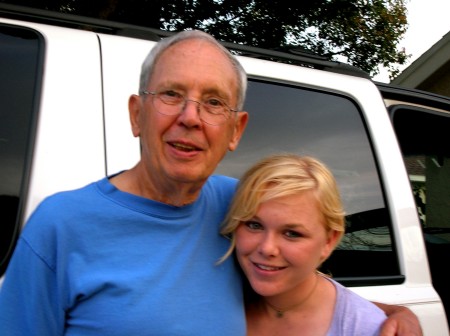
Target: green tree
364	33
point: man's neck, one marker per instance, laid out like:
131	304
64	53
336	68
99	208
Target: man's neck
176	194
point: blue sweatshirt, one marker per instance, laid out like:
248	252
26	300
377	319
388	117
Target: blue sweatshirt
98	261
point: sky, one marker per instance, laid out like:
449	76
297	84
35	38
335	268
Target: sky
428	22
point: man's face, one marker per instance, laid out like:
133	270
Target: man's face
182	148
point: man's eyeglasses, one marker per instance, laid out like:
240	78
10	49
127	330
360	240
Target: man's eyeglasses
212	111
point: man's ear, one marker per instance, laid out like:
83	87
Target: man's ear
134	109
239	128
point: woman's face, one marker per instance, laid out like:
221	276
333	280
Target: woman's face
283	244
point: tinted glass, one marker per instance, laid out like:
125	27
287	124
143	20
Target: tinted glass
19	69
328	126
424	140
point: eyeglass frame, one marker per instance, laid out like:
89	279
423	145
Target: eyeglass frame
185	100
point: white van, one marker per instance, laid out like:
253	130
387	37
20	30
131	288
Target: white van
64	123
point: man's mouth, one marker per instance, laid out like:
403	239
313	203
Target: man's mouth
183	147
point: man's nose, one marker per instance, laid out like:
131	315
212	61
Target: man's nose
190	113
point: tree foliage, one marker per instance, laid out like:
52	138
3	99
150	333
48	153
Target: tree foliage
364	33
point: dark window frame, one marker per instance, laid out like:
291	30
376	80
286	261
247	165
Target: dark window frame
22	88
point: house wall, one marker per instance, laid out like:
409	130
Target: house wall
438	82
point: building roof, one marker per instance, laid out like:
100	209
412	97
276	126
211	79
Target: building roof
431	71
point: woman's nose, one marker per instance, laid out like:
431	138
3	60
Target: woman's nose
268	245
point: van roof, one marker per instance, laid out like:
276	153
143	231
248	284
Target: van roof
294	56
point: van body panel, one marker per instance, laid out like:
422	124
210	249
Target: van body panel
83	134
69	148
122	59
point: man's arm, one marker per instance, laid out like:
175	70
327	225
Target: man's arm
401	321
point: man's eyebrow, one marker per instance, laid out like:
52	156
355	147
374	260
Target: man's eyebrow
171	85
177	85
218	92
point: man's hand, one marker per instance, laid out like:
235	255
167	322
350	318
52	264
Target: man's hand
401	321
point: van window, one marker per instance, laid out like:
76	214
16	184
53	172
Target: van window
330	127
20	63
423	137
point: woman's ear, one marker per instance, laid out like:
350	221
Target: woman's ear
332	239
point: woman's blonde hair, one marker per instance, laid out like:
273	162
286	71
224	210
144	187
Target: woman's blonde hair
282	175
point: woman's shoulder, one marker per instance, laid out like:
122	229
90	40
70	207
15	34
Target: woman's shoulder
354	315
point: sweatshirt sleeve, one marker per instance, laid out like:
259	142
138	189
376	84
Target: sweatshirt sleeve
28	296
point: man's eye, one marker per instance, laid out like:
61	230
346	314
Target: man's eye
214	103
170	95
252	225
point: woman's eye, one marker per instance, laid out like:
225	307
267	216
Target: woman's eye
252	225
293	234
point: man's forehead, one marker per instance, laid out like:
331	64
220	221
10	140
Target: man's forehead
180	61
195	48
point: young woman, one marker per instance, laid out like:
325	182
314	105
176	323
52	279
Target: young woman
285	220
